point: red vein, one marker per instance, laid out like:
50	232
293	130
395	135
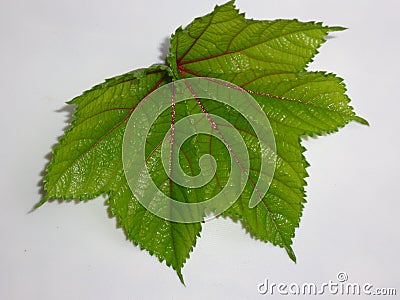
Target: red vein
104	111
226	52
170	165
107	84
196	40
172	138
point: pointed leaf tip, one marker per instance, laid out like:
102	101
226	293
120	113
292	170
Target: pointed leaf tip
337	28
179	273
291	254
361	120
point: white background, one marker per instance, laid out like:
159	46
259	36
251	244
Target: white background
51	51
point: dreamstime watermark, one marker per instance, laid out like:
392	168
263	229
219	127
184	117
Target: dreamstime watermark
341	286
154	105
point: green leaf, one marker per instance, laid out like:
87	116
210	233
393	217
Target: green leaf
268	59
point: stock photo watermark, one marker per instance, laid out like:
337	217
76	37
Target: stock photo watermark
340	286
